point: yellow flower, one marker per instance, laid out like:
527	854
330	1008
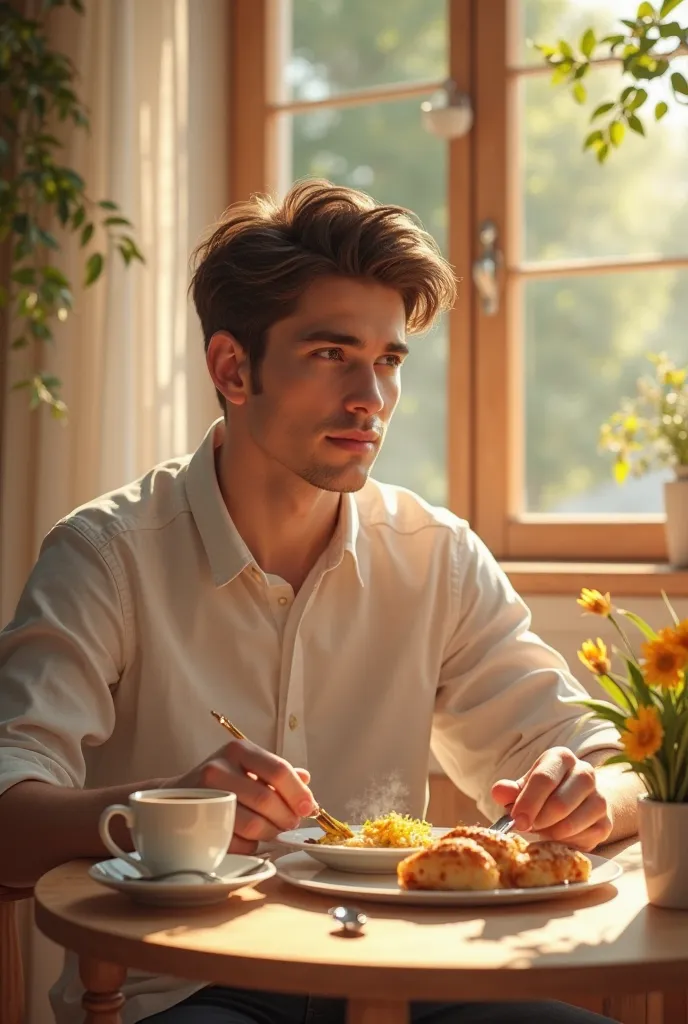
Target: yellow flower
594	602
678	637
643	735
663	662
594	657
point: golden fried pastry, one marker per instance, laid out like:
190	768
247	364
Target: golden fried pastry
549	863
454	864
478	832
504	849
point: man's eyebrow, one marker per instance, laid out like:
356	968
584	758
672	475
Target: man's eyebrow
350	340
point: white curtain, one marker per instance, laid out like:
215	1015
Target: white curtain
153	74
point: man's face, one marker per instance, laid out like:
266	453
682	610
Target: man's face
330	382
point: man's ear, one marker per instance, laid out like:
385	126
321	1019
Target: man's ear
228	365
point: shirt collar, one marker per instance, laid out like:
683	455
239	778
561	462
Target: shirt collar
227	552
346	535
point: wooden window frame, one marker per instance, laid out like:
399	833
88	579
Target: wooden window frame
484	443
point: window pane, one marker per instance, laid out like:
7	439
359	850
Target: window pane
383	149
585	344
340	45
636	204
548	21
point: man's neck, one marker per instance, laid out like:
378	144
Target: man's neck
285	522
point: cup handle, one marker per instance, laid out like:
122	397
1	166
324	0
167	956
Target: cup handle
104	830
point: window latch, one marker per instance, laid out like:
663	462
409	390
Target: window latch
485	268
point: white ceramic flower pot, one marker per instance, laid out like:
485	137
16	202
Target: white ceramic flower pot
663	832
676	507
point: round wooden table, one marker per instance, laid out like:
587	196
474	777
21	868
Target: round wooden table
280	938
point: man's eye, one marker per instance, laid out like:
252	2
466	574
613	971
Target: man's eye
334	354
391	360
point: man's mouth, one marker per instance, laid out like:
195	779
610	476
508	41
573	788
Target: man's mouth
356	440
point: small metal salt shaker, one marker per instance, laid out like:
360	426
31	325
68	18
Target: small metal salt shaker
351	919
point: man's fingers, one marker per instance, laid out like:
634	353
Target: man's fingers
253	828
239	845
571	795
545	776
589	839
591	812
262	800
274	772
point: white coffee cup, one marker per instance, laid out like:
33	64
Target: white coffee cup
174	829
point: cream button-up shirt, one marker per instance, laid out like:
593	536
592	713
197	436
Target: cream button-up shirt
146	609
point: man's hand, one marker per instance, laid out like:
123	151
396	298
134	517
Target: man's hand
559	798
271	796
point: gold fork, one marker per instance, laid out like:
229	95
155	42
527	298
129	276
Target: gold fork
332	826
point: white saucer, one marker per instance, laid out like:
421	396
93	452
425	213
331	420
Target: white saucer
181	892
301	870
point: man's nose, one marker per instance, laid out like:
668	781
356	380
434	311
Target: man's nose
365	394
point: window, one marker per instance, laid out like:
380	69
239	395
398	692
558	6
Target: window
500	414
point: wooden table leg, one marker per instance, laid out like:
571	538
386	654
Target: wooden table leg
377	1011
103	998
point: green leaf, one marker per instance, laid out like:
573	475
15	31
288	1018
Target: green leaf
25	275
644	628
660	110
112	221
635	124
592	139
580	93
671	29
603	108
48	239
679	84
565	48
670	608
79	217
20	342
40	330
55	276
668	6
618	692
87	234
640	687
645	10
107	204
94	268
617	130
602	710
638	100
587	43
614	41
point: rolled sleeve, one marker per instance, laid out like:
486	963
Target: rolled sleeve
59	658
504	695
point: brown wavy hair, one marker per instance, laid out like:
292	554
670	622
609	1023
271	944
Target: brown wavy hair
253	268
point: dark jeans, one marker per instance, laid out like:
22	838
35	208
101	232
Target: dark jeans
217	1005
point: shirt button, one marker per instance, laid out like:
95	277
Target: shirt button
282	600
293	722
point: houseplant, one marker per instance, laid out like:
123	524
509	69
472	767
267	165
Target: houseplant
42	199
647	45
651	430
648	705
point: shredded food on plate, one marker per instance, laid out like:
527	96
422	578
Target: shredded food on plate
391	830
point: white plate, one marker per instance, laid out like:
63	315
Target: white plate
361	859
302	871
181	892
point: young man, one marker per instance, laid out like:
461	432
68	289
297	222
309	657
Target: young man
344	625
